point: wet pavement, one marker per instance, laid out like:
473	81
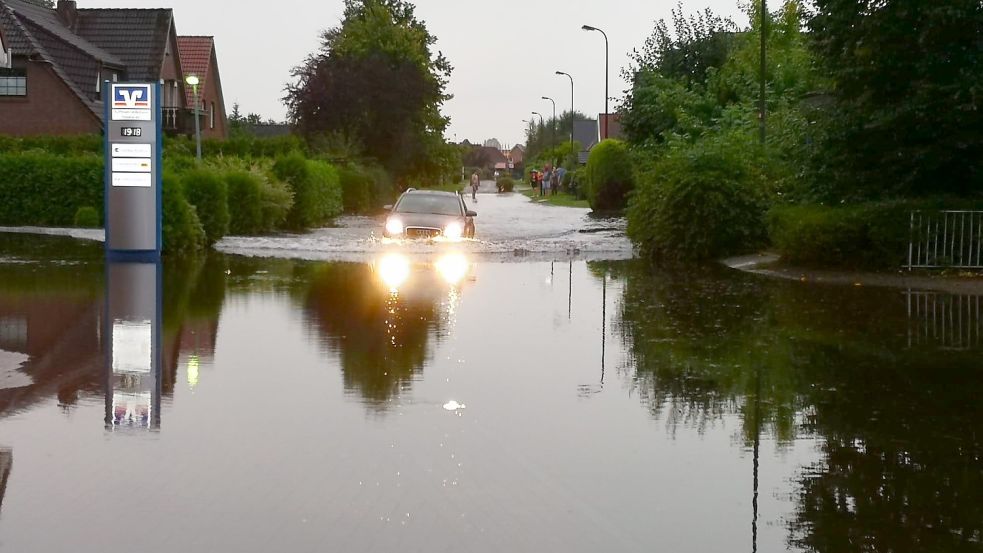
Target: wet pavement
349	395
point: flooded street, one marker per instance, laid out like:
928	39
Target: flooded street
529	391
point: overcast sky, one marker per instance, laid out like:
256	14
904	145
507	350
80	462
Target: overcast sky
504	52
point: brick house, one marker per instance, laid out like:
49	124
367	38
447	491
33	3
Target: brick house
198	58
58	59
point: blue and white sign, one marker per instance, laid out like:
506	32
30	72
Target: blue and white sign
131	102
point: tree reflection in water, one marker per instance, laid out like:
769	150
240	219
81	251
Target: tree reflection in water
902	466
379	325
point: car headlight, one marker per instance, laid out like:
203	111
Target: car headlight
454	230
394	226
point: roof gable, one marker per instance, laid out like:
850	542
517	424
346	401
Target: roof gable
55	29
196	54
137	36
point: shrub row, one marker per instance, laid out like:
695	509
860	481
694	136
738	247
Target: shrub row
609	176
869	235
202	202
239	146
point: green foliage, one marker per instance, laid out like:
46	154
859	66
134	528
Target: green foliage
316	190
60	145
182	230
872	235
701	201
47	189
206	190
376	79
609	176
506	184
245	203
356	188
87	217
904	114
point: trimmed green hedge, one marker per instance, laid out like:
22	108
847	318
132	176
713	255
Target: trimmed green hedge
206	190
316	189
46	189
870	235
356	189
182	230
609	176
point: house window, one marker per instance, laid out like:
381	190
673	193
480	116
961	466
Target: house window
13	82
211	117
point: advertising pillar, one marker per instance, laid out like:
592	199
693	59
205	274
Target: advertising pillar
133	170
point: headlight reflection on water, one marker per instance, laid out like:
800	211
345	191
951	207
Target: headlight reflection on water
394	270
453	267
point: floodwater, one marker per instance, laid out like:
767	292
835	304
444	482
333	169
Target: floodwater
455	399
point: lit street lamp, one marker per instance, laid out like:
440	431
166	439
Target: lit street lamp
571	108
604	131
193	81
553	122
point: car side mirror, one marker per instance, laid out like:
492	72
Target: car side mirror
471	213
388	207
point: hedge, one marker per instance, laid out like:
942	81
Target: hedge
316	190
207	191
871	236
41	189
182	230
609	176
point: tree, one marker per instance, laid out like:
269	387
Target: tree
907	105
376	80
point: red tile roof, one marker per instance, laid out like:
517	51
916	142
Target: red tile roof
196	58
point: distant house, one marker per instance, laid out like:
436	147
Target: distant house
59	58
198	58
614	128
517	155
586	134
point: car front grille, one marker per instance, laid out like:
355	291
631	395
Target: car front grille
422	232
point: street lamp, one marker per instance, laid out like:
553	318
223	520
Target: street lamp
764	42
193	81
606	59
553	122
571	108
540	118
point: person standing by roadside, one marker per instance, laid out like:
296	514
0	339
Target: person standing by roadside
547	180
475	182
555	182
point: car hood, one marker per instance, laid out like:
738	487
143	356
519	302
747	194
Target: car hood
426	219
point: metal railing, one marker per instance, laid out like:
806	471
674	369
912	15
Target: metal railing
944	320
946	239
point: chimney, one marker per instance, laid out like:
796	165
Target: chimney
67	12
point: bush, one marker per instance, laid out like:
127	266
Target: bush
87	217
506	184
207	191
276	200
183	232
700	202
47	190
60	145
609	176
871	235
245	202
356	189
316	190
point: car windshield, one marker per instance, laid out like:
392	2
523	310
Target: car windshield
429	203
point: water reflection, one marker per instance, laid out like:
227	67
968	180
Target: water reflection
380	317
888	382
6	465
133	327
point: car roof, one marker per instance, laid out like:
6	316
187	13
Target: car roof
431	192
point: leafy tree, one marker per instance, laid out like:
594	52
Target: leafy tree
906	113
376	80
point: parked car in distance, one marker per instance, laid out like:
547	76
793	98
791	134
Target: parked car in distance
429	214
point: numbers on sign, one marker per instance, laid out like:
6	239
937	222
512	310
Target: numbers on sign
132	131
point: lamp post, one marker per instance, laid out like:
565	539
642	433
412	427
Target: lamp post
193	81
553	122
764	42
571	107
604	130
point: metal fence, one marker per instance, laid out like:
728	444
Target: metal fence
946	239
944	320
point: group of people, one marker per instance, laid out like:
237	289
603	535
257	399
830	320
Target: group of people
547	181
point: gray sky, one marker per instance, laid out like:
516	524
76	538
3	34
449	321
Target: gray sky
494	87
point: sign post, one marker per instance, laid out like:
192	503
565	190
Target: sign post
133	159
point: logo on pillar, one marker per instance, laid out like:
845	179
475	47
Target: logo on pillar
131	97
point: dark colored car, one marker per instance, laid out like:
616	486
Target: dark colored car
429	214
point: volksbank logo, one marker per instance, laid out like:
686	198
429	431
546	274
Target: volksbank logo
131	96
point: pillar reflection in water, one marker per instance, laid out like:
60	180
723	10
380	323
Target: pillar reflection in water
133	331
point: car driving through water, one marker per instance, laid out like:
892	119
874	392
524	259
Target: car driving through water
430	214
